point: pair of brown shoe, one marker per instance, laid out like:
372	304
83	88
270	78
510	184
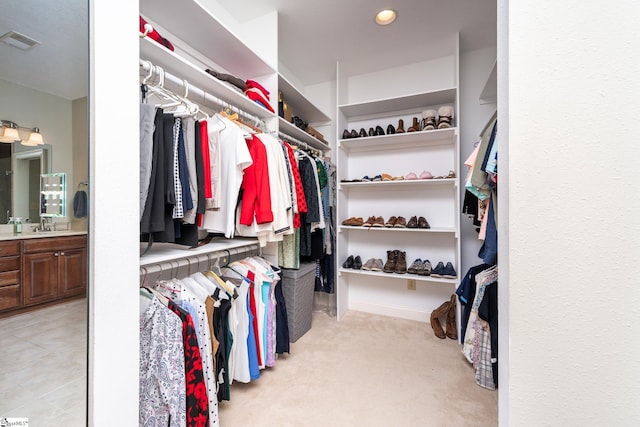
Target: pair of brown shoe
374	221
447	309
415	222
396	262
353	221
396	221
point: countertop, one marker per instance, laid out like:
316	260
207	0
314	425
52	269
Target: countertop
40	235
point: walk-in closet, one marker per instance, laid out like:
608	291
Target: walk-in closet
276	213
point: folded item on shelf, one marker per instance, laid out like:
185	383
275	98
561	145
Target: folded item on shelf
154	35
255	85
239	83
257	96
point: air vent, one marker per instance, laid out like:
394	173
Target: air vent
17	40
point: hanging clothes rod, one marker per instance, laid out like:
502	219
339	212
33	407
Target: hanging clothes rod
156	75
297	141
174	268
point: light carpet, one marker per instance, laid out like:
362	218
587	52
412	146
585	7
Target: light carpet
366	370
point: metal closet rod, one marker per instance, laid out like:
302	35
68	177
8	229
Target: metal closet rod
193	261
297	141
158	72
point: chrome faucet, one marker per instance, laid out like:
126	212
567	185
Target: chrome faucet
43	224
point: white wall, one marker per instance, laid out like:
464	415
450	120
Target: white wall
574	234
113	215
80	155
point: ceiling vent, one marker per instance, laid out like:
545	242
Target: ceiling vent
17	40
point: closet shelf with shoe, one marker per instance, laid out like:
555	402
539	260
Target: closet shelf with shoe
398	160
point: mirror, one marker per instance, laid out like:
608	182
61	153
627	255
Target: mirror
53	187
20	191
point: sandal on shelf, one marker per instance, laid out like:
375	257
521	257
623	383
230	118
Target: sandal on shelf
386	177
452	174
411	175
426	175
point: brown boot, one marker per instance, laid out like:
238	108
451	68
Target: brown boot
390	265
452	332
415	127
435	319
400	128
401	263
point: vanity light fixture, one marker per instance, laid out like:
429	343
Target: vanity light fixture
10	134
385	17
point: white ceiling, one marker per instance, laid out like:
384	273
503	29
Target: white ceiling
313	35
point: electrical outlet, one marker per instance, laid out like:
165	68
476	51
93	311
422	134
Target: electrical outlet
411	284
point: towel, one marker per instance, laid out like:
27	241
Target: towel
80	204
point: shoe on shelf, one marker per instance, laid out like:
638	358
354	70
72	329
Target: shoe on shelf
411	175
452	174
354	134
415	266
428	121
400	128
348	263
377	178
363	133
369	222
413	222
377	265
353	221
415	126
390	265
378	222
452	331
357	263
386	177
390	130
426	175
449	272
423	223
372	132
391	222
426	268
401	222
438	271
445	117
346	134
435	319
379	131
401	263
367	265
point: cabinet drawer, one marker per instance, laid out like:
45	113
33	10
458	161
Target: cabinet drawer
11	247
9	278
54	243
9	296
10	263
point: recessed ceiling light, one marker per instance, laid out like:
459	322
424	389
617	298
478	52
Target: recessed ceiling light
385	17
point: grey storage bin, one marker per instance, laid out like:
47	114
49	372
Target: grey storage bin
298	288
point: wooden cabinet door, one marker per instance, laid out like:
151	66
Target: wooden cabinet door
72	272
40	277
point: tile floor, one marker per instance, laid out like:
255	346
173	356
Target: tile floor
43	359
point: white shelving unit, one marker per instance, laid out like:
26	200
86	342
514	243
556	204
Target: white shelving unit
406	295
202	41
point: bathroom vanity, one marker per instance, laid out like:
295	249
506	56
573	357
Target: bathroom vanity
41	268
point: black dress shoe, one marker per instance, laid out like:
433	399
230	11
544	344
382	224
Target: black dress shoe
379	131
348	263
390	130
346	134
357	263
363	133
354	134
372	132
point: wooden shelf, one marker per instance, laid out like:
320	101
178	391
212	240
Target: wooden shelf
299	103
193	24
402	103
407	139
173	63
394	276
297	133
